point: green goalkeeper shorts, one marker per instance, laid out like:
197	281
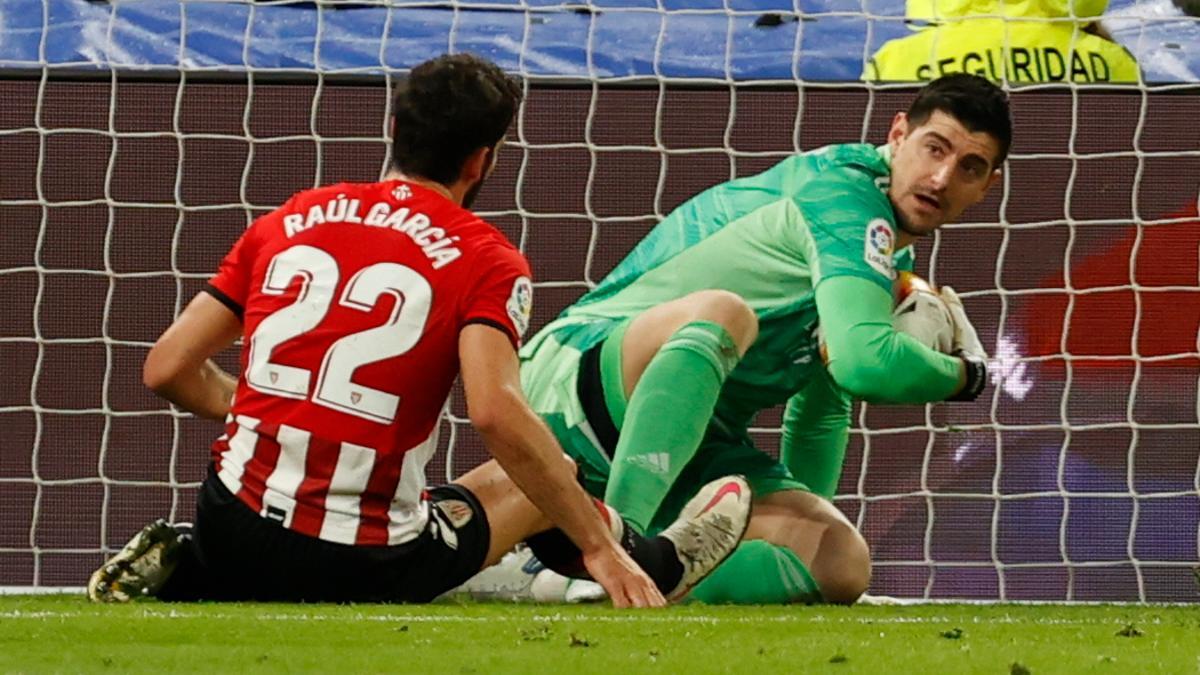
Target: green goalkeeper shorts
572	378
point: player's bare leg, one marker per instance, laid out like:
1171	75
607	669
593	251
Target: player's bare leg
834	551
651	329
512	518
707	531
799	548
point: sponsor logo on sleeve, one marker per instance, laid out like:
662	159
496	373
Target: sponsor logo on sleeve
879	246
520	304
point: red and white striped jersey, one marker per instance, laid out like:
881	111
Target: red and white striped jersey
352	298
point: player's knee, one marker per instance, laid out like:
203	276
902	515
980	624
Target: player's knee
729	310
842	567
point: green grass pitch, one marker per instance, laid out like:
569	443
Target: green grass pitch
66	634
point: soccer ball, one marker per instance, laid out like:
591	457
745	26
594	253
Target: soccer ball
921	313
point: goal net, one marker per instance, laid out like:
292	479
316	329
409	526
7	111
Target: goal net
127	174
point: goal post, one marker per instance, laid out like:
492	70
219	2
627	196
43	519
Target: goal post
1076	477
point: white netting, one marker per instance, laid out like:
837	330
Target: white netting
1077	478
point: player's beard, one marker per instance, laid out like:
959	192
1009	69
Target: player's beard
902	222
472	192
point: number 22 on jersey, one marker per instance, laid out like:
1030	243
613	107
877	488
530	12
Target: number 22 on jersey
319	276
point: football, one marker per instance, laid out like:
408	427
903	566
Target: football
909	282
921	313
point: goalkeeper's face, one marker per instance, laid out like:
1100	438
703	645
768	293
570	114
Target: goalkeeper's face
939	169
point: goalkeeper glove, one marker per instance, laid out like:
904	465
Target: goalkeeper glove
967	347
925	317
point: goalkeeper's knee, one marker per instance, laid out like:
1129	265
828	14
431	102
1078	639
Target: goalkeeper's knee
842	564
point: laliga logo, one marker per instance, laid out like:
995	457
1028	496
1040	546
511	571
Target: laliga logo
881	238
878	244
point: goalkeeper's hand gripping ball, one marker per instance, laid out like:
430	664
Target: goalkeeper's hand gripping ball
923	314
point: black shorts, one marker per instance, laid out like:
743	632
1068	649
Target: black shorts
236	554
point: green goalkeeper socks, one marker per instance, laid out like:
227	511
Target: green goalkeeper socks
758	573
666	417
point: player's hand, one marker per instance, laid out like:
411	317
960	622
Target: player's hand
966	345
966	340
926	318
627	584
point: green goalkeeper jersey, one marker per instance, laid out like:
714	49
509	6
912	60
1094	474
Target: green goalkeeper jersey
773	239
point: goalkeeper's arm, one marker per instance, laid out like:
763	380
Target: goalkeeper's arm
816	427
868	358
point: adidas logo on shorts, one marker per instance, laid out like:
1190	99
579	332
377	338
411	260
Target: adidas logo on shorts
658	462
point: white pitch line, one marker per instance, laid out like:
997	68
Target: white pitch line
584	618
42	590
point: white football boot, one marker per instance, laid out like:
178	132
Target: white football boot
708	529
141	568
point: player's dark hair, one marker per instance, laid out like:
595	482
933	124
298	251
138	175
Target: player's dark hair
447	108
980	105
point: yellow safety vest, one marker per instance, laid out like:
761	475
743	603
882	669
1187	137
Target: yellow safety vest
1037	51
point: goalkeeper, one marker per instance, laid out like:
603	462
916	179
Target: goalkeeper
651	380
